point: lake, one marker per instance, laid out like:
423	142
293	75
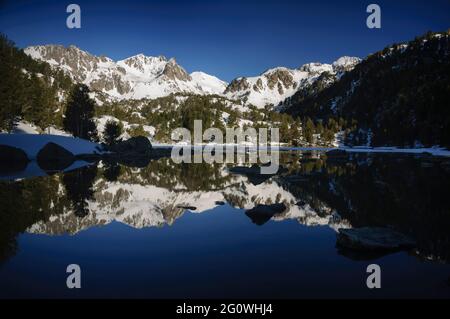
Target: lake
170	230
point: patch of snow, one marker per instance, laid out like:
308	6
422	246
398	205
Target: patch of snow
25	128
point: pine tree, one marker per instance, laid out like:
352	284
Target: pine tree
309	130
296	134
137	130
41	103
285	132
112	132
12	95
79	114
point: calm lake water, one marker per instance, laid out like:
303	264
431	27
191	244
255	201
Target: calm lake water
170	230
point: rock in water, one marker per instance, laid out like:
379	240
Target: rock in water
373	238
53	157
12	159
336	153
187	207
261	214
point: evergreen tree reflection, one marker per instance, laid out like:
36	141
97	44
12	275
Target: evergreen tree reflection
79	189
112	171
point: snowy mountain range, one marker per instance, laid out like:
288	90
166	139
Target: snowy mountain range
275	85
141	206
151	77
136	77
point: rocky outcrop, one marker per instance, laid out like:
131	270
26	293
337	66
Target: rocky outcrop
53	157
278	77
240	84
373	239
139	145
134	152
175	72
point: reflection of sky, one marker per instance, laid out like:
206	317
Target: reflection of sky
214	254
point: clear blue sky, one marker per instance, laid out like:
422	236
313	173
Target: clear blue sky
223	38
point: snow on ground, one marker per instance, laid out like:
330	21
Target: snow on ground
436	150
31	144
101	123
25	128
54	131
208	83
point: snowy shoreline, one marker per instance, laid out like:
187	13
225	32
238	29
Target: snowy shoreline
435	151
32	143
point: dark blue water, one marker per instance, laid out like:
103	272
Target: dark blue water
214	253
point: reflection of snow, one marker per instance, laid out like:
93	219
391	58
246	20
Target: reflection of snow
151	206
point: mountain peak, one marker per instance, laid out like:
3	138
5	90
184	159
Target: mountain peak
345	63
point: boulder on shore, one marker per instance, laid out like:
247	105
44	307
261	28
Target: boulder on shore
373	239
12	159
139	146
53	157
261	214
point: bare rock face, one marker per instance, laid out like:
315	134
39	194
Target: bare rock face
278	77
258	86
239	84
175	72
373	238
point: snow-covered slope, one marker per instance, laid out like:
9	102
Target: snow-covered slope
136	77
275	85
151	77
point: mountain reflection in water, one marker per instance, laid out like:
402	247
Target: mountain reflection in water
408	193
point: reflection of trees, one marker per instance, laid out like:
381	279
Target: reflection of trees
112	171
166	174
22	204
407	193
78	186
